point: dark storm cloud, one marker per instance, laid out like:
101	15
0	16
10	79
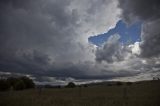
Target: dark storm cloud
27	62
28	29
149	12
16	3
40	38
151	36
48	38
142	9
33	24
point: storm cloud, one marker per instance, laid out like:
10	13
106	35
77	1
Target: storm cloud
142	56
140	9
148	12
48	39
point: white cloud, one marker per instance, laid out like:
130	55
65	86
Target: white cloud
135	48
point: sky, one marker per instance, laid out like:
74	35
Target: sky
128	34
58	41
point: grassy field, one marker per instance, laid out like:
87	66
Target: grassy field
137	94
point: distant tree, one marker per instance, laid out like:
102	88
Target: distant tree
70	85
12	81
119	83
16	83
156	77
19	85
4	85
51	86
47	86
85	85
109	84
28	82
128	83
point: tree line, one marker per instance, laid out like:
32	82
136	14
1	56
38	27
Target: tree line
13	83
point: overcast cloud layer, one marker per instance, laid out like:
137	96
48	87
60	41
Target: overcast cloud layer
48	39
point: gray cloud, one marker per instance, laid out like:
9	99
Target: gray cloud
112	50
49	38
142	9
151	39
34	33
149	13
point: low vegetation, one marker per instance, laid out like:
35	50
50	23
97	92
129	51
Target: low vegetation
136	94
70	85
19	83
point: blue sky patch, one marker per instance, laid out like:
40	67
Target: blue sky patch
129	34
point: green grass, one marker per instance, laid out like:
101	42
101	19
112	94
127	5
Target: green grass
140	94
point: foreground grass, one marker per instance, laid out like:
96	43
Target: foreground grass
142	94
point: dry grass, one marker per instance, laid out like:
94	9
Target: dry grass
143	94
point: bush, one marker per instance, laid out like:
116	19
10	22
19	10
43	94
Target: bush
28	82
4	85
119	83
11	81
129	83
85	85
70	85
19	85
109	84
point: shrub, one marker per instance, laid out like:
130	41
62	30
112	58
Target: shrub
129	83
19	85
70	85
109	84
85	85
16	83
119	83
4	85
28	82
11	80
